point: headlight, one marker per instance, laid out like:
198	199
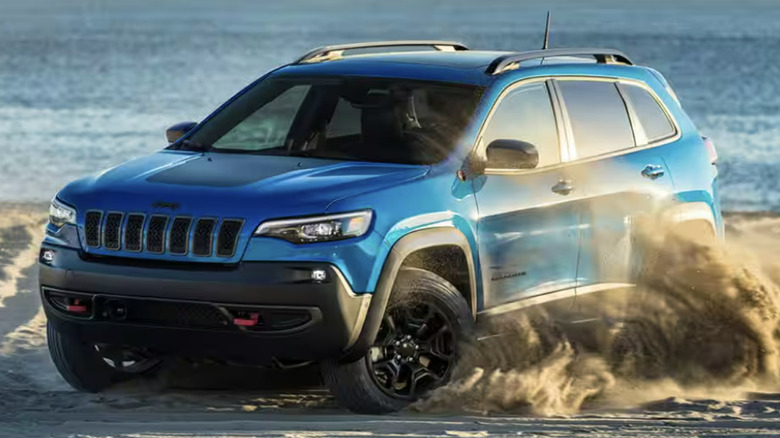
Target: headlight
60	214
318	228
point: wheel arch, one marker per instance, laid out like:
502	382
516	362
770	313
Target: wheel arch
698	215
411	243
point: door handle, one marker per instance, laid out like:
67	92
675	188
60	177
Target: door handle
653	171
563	187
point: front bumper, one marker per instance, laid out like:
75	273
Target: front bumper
203	310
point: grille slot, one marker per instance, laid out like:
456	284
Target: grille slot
111	231
155	235
228	237
178	238
203	237
134	232
92	228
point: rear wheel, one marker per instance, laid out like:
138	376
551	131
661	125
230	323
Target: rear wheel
93	368
414	352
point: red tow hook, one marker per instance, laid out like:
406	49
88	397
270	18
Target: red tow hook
76	307
247	322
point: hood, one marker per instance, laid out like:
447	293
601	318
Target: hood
241	185
246	188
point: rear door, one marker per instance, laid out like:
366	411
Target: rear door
620	172
528	226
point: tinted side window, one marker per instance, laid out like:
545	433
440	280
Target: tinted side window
526	114
598	117
652	117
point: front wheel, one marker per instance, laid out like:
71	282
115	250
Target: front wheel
414	352
93	368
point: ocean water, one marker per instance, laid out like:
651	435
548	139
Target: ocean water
88	84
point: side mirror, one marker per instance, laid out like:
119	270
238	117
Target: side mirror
178	130
511	154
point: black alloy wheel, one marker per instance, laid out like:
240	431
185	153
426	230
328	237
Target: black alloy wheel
415	350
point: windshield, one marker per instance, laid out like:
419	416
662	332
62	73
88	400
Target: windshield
360	119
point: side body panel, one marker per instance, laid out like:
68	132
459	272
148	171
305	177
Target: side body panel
612	190
616	196
528	235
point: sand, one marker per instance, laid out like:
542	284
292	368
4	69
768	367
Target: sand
219	402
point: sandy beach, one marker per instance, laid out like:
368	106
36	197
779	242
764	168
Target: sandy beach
220	402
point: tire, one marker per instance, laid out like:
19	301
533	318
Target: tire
83	367
640	350
358	385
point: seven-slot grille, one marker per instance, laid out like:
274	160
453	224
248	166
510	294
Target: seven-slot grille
160	234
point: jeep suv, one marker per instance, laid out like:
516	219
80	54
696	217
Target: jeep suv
361	207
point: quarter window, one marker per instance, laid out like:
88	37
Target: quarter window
598	117
652	117
526	114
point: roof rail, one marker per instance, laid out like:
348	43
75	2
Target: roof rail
603	56
333	52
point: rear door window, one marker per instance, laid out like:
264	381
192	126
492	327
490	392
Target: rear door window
652	117
598	117
526	114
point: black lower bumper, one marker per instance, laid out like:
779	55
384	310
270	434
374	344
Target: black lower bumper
252	311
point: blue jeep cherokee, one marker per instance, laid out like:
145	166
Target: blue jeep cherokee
362	206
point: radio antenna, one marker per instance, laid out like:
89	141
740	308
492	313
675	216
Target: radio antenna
547	33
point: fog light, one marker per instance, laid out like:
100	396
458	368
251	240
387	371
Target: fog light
318	275
47	256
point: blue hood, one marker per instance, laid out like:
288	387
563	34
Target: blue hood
250	187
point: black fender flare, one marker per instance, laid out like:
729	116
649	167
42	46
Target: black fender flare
414	241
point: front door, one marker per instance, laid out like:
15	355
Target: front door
528	227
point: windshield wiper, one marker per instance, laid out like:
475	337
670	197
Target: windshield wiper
302	154
195	146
